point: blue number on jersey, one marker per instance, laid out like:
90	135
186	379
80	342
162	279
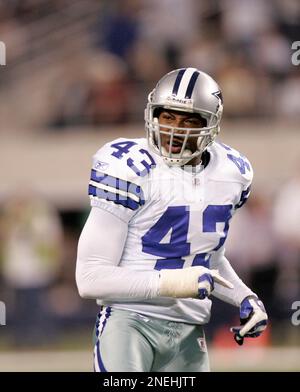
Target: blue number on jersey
147	165
124	147
241	162
214	214
177	220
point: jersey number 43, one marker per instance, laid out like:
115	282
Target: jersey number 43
177	219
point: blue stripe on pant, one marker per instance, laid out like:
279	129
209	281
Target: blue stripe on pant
102	318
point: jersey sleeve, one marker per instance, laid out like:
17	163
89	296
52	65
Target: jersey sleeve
245	193
115	185
98	274
246	182
240	290
240	171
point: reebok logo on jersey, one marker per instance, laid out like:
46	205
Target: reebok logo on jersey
101	165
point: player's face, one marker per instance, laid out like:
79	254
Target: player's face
173	118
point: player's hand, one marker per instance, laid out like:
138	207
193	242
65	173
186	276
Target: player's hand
253	319
206	282
191	282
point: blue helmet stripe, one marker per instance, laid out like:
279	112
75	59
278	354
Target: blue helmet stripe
177	81
191	85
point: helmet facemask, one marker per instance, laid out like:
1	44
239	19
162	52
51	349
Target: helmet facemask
204	135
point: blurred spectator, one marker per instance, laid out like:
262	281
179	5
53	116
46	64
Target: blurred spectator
286	99
95	92
272	54
67	100
146	65
109	94
31	244
245	44
205	53
242	88
118	30
243	21
288	18
14	35
169	25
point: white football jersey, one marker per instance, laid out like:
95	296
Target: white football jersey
177	217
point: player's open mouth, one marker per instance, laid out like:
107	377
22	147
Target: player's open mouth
176	146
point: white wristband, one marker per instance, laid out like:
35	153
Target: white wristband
183	283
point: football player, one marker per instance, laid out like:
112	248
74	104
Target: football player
152	250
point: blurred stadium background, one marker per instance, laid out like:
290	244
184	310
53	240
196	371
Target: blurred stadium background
77	74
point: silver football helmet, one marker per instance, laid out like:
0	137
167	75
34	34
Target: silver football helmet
186	90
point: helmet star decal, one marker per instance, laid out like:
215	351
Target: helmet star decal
218	94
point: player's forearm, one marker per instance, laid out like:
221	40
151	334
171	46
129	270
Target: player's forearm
98	281
240	291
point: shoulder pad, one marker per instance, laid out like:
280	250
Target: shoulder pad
128	159
119	171
237	166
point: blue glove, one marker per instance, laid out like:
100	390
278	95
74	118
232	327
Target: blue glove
206	282
206	285
253	319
